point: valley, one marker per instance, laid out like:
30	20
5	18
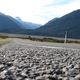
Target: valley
39	39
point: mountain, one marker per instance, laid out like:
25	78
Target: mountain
28	25
58	26
11	25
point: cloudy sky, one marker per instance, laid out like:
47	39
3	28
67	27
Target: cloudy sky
38	11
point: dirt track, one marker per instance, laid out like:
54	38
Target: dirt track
21	60
47	44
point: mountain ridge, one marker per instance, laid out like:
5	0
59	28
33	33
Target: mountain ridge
10	25
57	28
28	25
54	28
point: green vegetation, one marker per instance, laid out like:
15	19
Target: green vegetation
4	40
3	37
50	40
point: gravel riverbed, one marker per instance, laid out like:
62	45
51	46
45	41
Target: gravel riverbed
24	62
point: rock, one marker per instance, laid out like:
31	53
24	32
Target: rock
60	78
73	72
76	66
70	66
77	77
50	77
27	62
10	75
55	76
12	68
3	74
58	71
40	78
67	73
66	78
9	64
65	69
1	67
23	74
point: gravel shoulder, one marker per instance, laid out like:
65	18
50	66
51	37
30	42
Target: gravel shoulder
28	60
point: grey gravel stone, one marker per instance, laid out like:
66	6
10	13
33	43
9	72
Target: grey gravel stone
26	62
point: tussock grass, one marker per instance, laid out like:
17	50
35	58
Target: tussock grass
4	41
51	40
